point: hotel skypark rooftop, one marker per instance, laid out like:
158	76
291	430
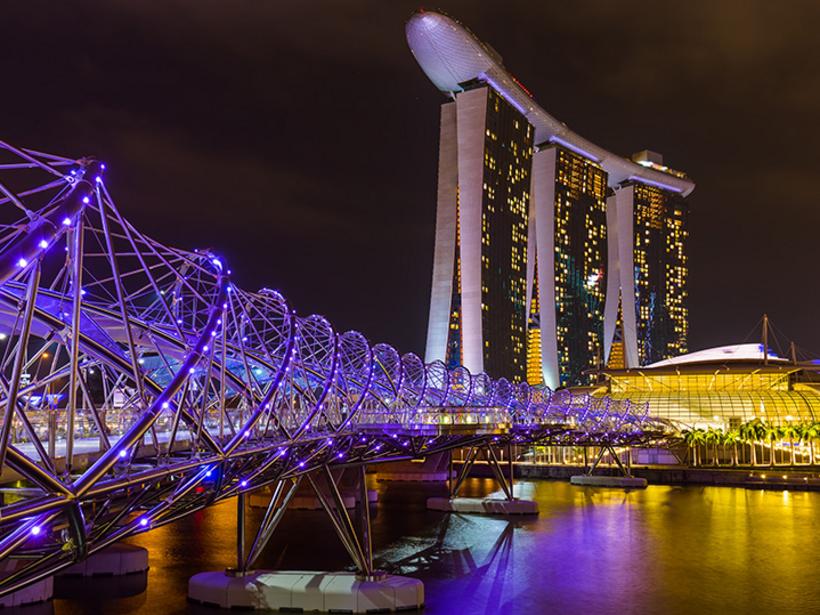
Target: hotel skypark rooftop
451	56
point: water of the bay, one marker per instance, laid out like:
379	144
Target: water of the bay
662	550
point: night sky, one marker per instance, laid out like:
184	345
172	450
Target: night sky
299	140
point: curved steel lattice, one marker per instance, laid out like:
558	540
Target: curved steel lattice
140	384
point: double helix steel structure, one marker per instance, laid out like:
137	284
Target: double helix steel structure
139	384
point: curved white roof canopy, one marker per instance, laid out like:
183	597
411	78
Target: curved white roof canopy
733	353
450	55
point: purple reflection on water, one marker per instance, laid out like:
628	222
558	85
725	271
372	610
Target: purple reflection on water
663	550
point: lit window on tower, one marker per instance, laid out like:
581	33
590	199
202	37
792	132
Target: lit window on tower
661	271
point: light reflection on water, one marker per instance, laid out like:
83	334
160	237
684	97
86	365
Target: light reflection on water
663	550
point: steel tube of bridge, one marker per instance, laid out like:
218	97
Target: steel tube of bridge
14	384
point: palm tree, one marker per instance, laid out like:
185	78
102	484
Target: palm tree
811	435
698	439
732	437
694	438
748	436
772	433
714	437
806	433
753	432
791	432
689	438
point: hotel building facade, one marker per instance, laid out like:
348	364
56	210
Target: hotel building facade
553	256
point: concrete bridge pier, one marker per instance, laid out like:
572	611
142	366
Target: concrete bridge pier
39	591
432	469
366	590
505	503
118	559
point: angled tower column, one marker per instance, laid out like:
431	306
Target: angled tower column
624	215
613	276
543	203
445	249
471	112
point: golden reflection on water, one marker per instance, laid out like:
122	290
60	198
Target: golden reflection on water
663	550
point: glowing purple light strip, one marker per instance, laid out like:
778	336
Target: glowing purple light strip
660	185
504	94
574	148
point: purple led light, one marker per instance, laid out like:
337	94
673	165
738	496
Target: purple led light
66	222
660	185
43	244
144	522
123	454
574	148
22	262
86	200
244	483
35	531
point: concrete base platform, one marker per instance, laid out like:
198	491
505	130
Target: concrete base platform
484	506
624	482
117	560
36	592
309	501
306	591
413	477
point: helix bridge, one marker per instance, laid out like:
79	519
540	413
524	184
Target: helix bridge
140	384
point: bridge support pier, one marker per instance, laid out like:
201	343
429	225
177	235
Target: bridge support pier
115	560
365	590
625	480
505	503
435	468
39	591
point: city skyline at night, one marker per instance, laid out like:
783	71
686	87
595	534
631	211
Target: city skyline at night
230	381
278	178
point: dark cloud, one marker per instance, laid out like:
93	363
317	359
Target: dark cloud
299	139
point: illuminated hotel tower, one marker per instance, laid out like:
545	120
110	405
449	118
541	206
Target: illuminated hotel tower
542	255
479	290
649	222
